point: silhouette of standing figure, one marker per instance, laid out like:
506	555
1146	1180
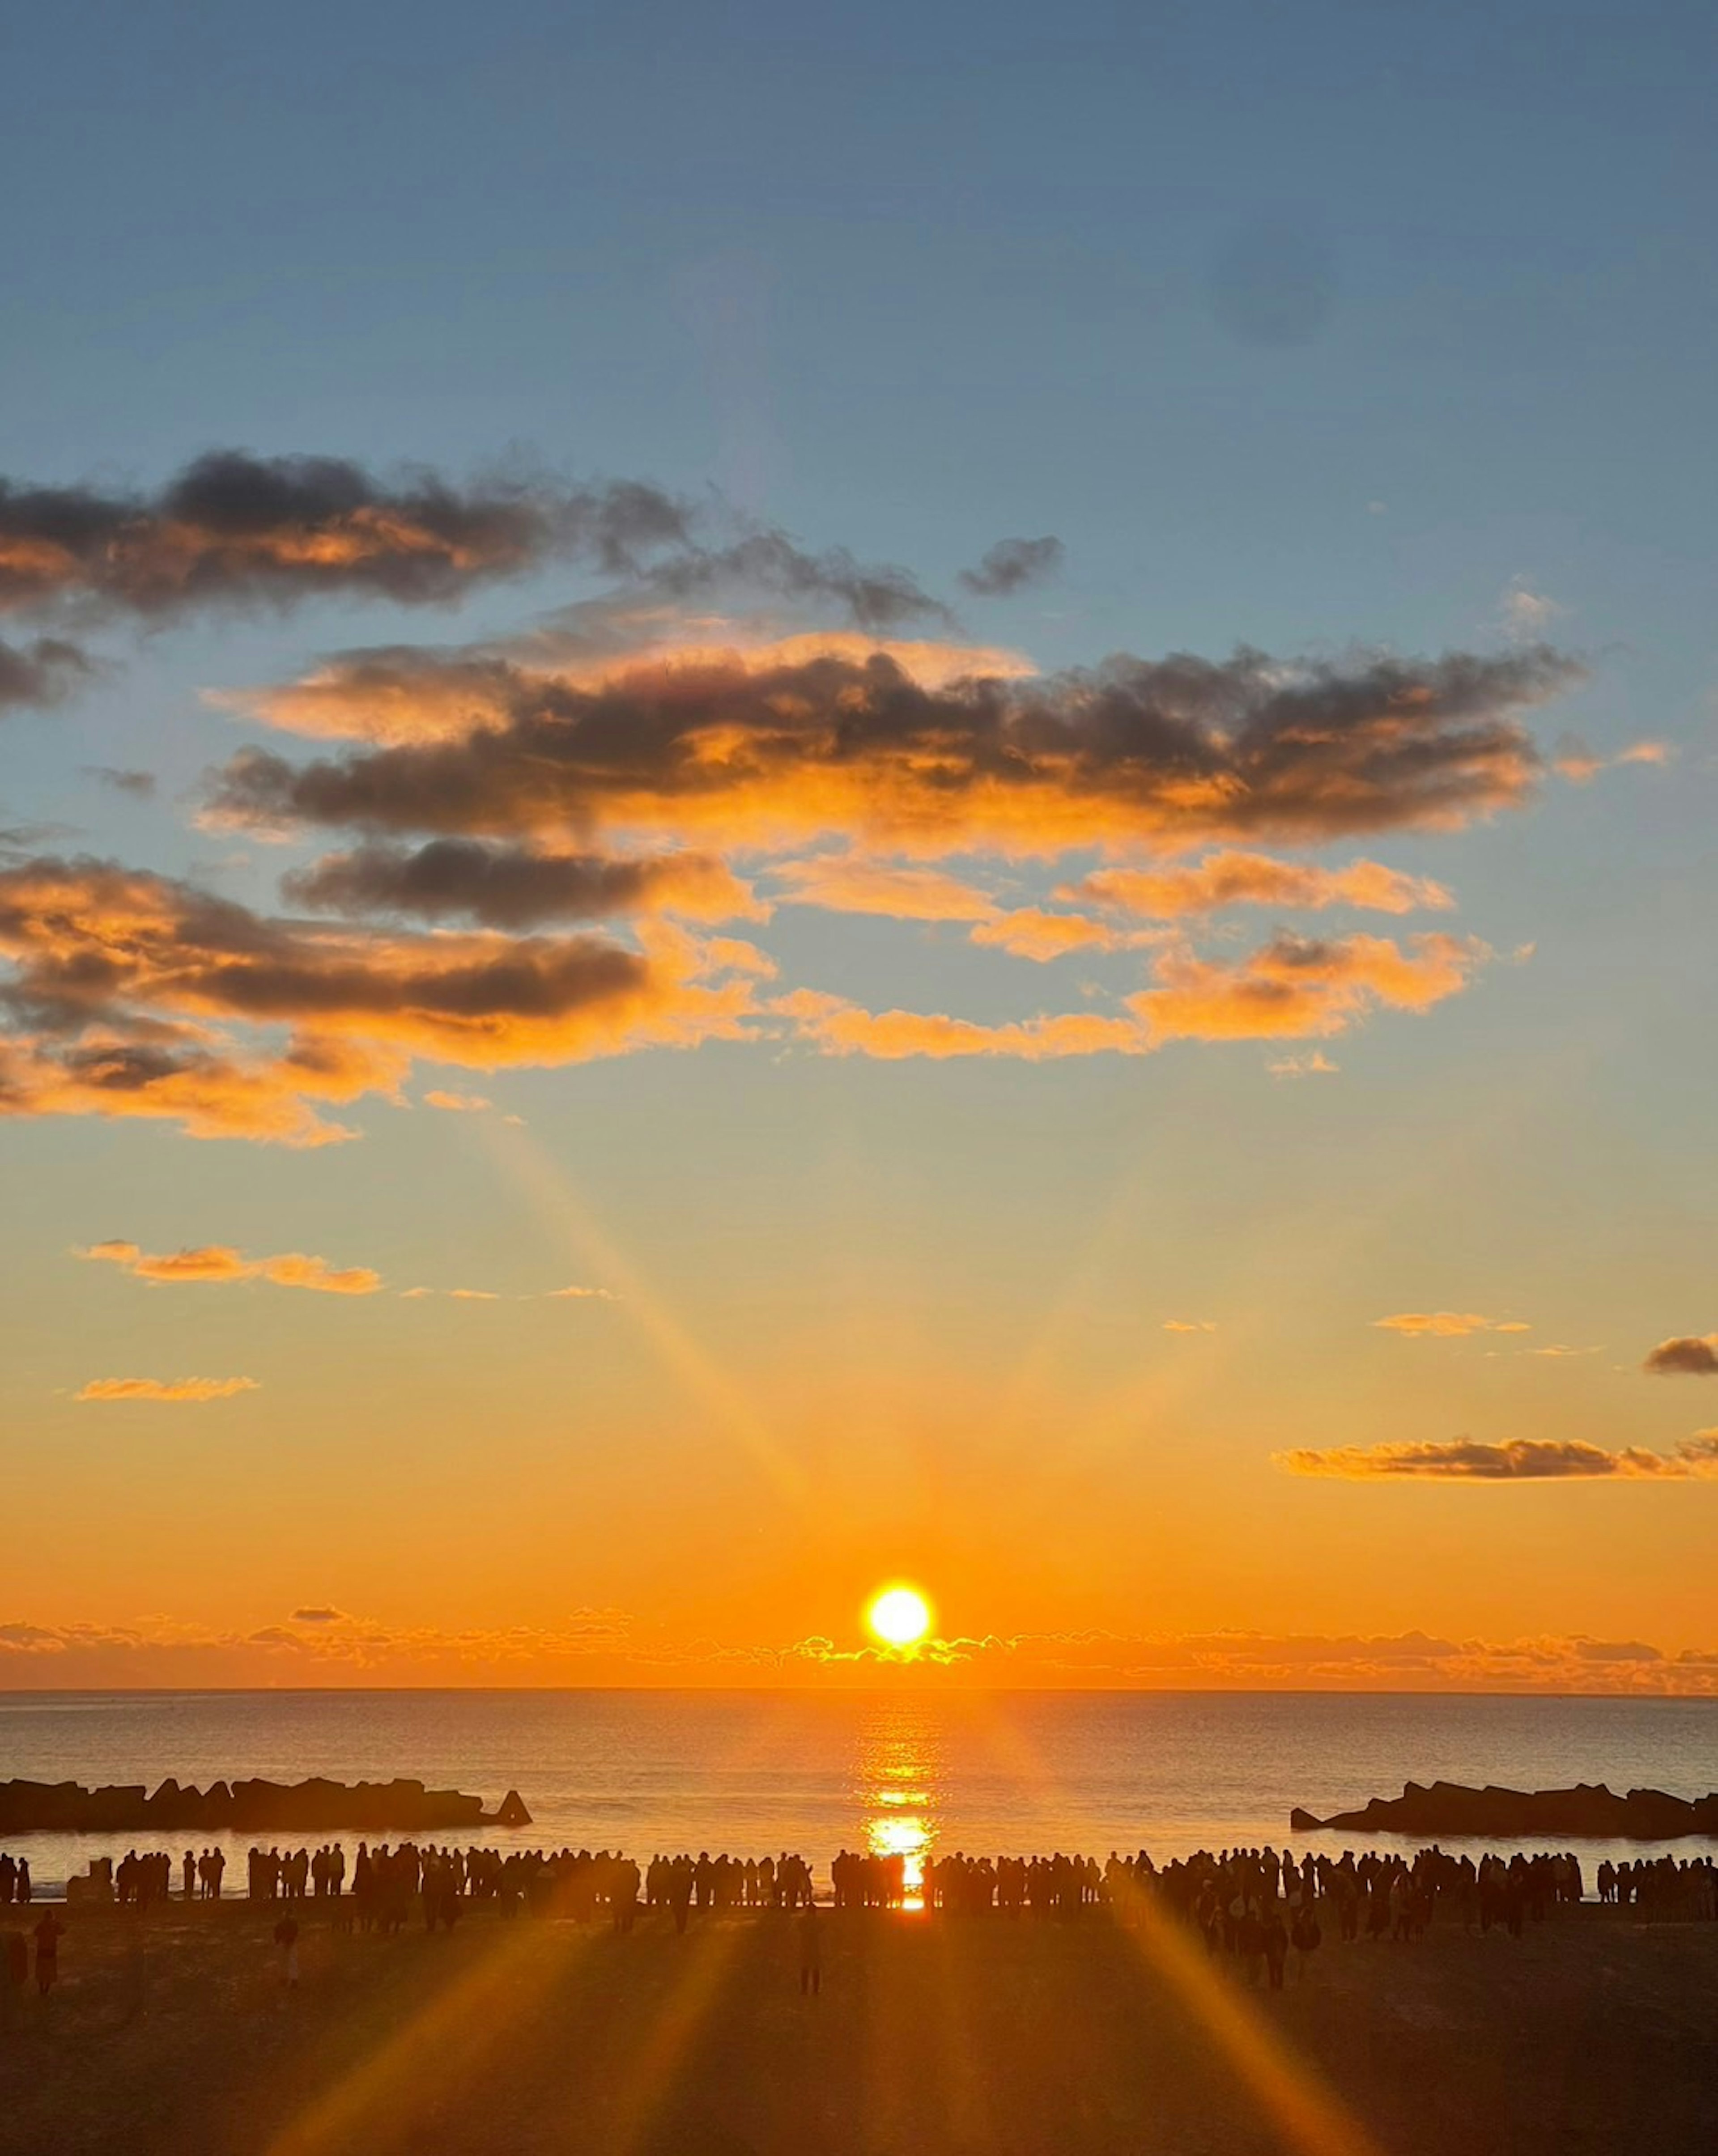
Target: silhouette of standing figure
810	1930
48	1935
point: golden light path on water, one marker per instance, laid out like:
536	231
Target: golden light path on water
900	1777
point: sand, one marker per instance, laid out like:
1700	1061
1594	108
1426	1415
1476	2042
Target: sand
172	2033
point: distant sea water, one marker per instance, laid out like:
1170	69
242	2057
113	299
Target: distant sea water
755	1771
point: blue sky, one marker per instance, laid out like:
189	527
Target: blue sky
1305	328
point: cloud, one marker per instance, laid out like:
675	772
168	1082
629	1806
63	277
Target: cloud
1189	1325
140	785
220	1262
473	1295
1011	564
1446	1324
1291	987
1315	1064
1689	1356
1295	987
1033	932
580	1295
517	887
1516	1459
169	1388
232	528
877	596
846	883
459	1104
1579	764
839	1028
403	695
1527	614
1178	750
324	1616
127	989
1231	878
40	674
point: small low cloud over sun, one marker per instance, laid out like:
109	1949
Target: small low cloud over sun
899	1617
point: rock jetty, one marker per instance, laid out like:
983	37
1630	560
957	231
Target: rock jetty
1450	1809
311	1807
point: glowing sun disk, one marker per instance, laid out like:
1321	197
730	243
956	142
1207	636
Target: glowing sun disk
900	1617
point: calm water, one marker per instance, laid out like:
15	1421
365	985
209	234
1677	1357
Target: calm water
752	1772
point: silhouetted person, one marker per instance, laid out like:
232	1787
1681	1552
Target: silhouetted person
810	1930
286	1939
49	1932
189	1869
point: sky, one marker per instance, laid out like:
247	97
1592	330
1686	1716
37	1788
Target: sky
794	799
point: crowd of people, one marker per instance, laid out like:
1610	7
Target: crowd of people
1259	1907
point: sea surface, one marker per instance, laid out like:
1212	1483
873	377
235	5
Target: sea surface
755	1771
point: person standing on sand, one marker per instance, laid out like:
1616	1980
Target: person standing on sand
1305	1933
47	1937
810	1930
286	1939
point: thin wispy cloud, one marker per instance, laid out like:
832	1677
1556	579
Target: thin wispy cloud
1515	1460
213	1262
1446	1324
168	1390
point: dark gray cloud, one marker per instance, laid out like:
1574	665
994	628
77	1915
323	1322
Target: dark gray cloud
139	784
41	673
877	596
323	1615
513	887
1011	564
1691	1356
1183	745
234	528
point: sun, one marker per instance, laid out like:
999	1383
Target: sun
899	1616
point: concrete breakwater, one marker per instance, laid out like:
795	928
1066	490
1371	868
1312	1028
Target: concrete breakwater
1590	1807
316	1806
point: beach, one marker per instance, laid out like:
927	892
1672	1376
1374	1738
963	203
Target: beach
173	2031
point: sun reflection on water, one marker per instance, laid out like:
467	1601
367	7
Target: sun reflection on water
899	1788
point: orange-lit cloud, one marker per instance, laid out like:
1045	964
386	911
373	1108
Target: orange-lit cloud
399	695
840	1027
1189	1325
1516	1459
604	1647
165	1389
1689	1356
127	989
1446	1324
1178	750
1291	987
580	1295
1313	1064
1296	987
1033	932
220	1261
1580	765
1231	878
845	883
458	1104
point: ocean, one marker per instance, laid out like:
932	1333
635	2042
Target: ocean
754	1772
